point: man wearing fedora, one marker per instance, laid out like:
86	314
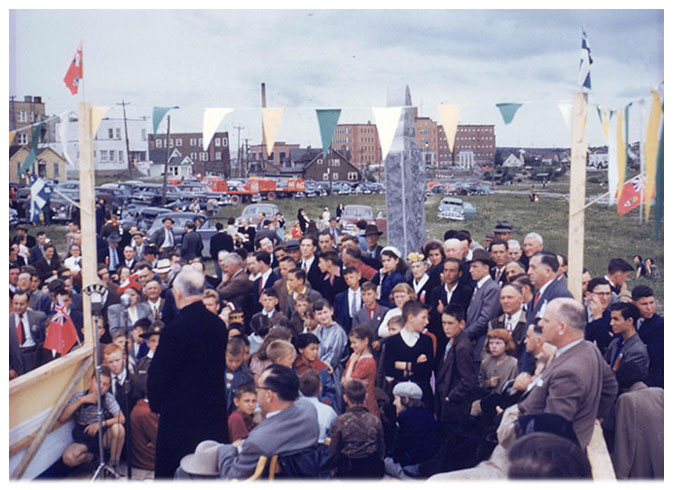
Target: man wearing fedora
485	303
372	235
502	230
112	254
164	238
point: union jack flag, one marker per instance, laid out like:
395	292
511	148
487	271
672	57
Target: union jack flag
61	333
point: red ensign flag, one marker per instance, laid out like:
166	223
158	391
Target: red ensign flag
74	74
61	333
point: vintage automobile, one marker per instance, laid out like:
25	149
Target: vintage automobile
206	230
455	209
251	212
356	212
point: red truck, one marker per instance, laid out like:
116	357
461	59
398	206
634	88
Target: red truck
254	188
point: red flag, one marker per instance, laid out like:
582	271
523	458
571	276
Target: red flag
75	72
132	281
630	197
61	334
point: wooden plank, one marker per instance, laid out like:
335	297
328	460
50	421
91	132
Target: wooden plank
52	419
578	155
47	371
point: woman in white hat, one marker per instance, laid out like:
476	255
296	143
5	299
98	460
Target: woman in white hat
391	274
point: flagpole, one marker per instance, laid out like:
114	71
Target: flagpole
578	155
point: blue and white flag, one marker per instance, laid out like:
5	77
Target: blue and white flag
39	195
585	63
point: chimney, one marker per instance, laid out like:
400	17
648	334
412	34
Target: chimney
37	99
28	98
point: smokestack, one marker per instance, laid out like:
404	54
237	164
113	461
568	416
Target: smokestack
263	94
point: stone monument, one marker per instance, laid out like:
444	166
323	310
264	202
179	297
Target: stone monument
405	183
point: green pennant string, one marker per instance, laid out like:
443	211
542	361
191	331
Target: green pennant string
327	120
507	110
659	199
32	155
158	114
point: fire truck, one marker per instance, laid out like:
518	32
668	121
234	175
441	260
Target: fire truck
254	188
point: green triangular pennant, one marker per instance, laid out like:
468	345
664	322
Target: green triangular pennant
30	159
158	114
507	110
327	120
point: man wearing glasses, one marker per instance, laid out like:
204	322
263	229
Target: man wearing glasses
290	425
598	313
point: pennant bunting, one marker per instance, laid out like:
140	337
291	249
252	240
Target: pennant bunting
63	136
75	71
61	333
327	121
386	119
507	110
616	155
449	116
97	114
652	150
158	114
584	80
11	137
271	117
605	121
621	153
32	155
212	117
566	109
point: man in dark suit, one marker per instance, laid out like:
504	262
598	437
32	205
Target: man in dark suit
309	261
164	238
37	250
513	319
266	279
221	240
456	375
192	244
30	331
485	303
130	258
626	354
578	384
618	273
185	383
111	253
542	270
500	255
651	331
236	287
372	235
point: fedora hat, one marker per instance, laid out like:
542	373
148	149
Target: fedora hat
482	255
114	237
371	229
502	227
203	461
163	265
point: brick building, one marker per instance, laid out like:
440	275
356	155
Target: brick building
214	161
475	144
359	142
23	114
337	164
278	159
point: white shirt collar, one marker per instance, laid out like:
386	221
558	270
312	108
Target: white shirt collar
481	281
544	286
566	347
418	286
409	338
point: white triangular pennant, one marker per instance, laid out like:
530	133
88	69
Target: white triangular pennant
386	119
97	114
566	109
449	116
63	136
212	117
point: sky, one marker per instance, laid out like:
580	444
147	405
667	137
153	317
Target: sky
347	59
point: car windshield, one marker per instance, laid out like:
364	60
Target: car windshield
359	212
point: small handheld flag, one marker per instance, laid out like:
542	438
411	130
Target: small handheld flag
61	334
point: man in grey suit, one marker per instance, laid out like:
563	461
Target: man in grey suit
29	327
117	315
578	384
236	287
542	271
485	303
291	425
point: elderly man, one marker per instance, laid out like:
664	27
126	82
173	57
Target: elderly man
513	319
532	244
290	426
236	287
578	384
542	273
514	250
185	383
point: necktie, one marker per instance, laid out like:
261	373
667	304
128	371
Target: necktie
305	266
118	385
113	259
19	329
353	304
508	323
536	299
155	312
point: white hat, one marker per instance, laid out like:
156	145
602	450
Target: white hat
203	461
393	250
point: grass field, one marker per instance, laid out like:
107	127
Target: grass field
607	234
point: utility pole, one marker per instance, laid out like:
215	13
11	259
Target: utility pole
238	154
168	134
245	160
126	135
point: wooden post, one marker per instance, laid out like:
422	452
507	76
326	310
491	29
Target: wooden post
52	418
87	183
578	170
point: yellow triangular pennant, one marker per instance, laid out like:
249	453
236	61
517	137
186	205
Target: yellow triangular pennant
97	114
271	117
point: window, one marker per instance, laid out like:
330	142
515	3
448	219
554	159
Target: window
218	155
320	162
103	156
200	142
325	176
218	141
192	141
121	156
21	116
352	176
158	143
335	176
143	134
56	171
178	142
118	133
110	133
31	116
193	155
170	143
22	138
203	156
225	142
112	155
336	162
42	169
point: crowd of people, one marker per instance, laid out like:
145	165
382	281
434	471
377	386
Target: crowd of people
460	360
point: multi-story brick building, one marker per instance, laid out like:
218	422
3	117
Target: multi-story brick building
279	157
213	161
474	145
359	142
22	114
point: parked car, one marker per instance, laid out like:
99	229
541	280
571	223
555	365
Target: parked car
355	212
143	218
455	209
251	212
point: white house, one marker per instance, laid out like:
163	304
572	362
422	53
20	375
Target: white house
598	161
109	146
179	166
